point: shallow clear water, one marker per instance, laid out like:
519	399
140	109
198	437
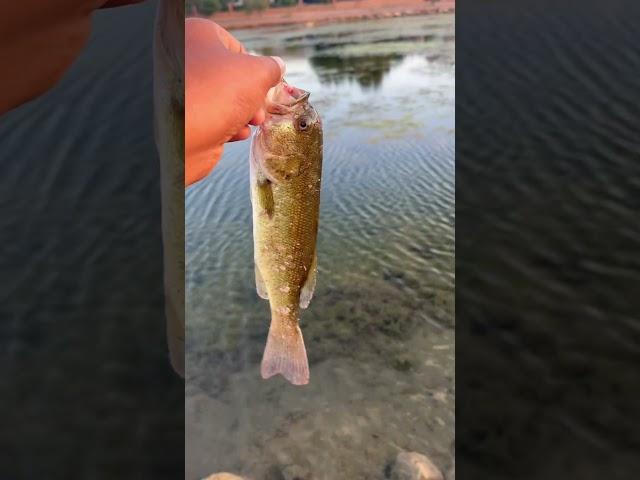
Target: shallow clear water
379	331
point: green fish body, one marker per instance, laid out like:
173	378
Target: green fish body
286	168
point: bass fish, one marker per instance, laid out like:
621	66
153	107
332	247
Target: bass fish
286	166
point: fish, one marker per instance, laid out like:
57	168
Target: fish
285	171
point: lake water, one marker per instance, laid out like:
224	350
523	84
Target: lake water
380	330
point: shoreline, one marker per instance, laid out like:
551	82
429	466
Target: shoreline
343	11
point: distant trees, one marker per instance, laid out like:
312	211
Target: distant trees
208	7
255	4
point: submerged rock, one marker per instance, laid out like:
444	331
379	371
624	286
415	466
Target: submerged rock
414	466
224	476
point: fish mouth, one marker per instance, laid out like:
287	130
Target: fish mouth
284	96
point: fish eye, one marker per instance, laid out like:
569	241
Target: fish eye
304	123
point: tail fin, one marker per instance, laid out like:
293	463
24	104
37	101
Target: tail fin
285	353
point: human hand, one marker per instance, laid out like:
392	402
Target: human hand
225	90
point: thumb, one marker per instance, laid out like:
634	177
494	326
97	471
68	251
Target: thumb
267	72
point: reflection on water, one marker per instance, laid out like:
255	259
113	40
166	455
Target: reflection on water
379	331
368	70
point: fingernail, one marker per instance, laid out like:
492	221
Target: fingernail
283	67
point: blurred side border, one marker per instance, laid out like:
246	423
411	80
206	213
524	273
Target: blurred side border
88	389
547	192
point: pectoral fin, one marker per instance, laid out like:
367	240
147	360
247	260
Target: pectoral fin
310	284
261	288
264	195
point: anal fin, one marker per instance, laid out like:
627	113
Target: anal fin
306	294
